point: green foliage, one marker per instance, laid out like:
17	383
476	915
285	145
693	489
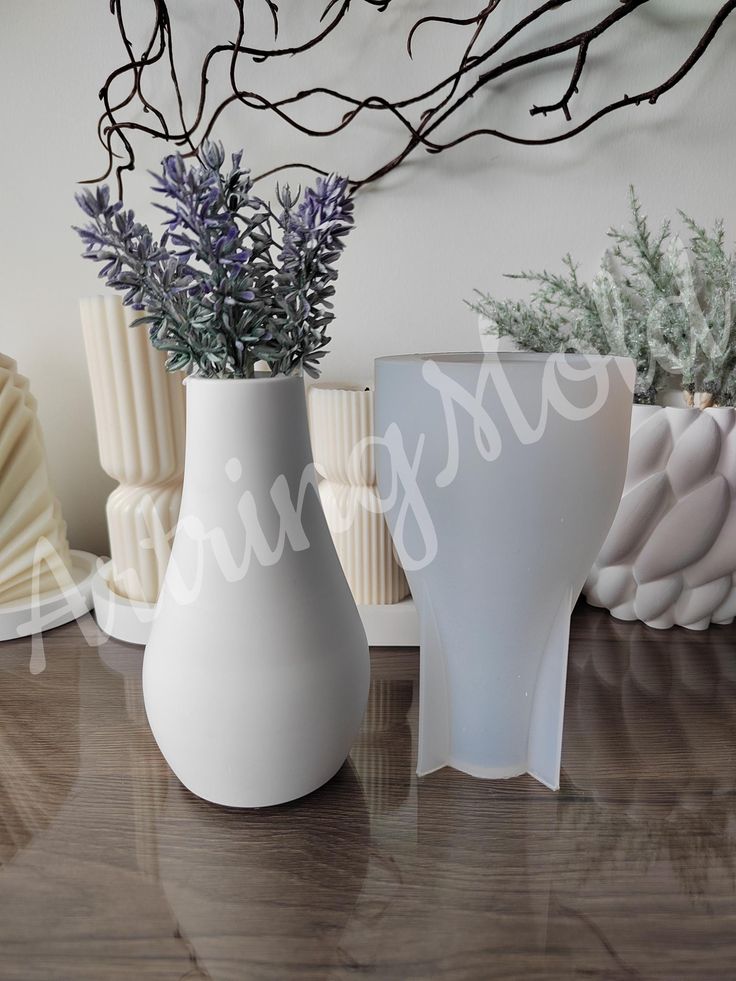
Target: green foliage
666	305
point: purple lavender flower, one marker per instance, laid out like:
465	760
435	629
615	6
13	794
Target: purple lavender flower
219	291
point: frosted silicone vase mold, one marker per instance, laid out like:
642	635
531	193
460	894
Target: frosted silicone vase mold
341	427
670	557
34	551
139	412
509	470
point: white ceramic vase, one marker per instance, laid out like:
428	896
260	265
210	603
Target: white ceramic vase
256	674
501	475
670	556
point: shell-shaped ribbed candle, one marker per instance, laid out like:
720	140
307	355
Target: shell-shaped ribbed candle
34	551
341	429
139	411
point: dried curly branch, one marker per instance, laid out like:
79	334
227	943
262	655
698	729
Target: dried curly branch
117	124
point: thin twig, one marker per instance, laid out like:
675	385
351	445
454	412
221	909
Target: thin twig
117	125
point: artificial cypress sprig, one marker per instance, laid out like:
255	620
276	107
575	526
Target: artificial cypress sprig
667	305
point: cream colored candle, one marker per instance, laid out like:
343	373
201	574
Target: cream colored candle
139	412
34	551
341	419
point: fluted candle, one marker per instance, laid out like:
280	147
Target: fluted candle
340	419
139	412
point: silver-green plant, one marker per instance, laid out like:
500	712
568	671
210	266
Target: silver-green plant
666	305
707	357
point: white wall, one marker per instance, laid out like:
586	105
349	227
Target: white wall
425	237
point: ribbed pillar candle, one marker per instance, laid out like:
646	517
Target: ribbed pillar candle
341	419
139	411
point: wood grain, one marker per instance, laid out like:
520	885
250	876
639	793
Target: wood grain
110	869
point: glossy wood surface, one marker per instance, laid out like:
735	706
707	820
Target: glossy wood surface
110	869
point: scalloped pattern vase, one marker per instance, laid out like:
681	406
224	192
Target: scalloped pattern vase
140	417
34	551
670	556
341	419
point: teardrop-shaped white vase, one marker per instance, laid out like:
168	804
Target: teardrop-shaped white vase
256	674
500	476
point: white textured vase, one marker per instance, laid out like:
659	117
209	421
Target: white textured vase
34	551
256	674
341	428
509	470
139	413
670	557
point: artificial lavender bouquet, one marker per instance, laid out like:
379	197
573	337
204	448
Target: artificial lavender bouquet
231	281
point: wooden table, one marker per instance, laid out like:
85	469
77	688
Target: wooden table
110	869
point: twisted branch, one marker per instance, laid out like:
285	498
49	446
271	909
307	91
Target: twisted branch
116	127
